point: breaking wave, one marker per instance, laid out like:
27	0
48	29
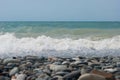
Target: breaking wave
43	45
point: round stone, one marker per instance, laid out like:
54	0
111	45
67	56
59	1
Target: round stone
91	77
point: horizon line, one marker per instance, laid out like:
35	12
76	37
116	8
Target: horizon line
52	21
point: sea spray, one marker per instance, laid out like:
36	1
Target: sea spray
43	45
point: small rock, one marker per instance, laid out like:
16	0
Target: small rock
107	67
118	64
37	70
65	63
57	78
117	77
93	64
32	77
22	67
32	57
1	67
37	64
85	70
13	78
52	59
43	77
4	78
57	63
61	73
111	70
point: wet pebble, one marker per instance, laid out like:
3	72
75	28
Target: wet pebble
14	71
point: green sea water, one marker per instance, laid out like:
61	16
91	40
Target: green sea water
73	30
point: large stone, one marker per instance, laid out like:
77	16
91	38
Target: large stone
57	67
14	71
73	75
108	76
9	60
91	77
21	77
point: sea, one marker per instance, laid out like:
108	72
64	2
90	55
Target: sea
59	38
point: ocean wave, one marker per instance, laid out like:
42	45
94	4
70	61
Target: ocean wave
43	45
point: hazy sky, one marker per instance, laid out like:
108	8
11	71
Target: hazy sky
60	10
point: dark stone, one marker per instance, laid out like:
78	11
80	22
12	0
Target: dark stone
72	75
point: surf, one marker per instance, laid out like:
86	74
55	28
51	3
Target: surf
10	45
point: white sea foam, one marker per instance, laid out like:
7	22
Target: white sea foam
10	45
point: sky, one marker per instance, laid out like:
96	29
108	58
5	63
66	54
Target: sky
59	10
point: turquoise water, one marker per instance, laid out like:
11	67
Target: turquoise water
61	29
64	39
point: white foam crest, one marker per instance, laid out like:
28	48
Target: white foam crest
12	46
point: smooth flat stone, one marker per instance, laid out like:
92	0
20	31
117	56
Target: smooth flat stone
91	77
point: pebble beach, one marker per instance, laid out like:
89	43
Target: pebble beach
58	68
59	39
